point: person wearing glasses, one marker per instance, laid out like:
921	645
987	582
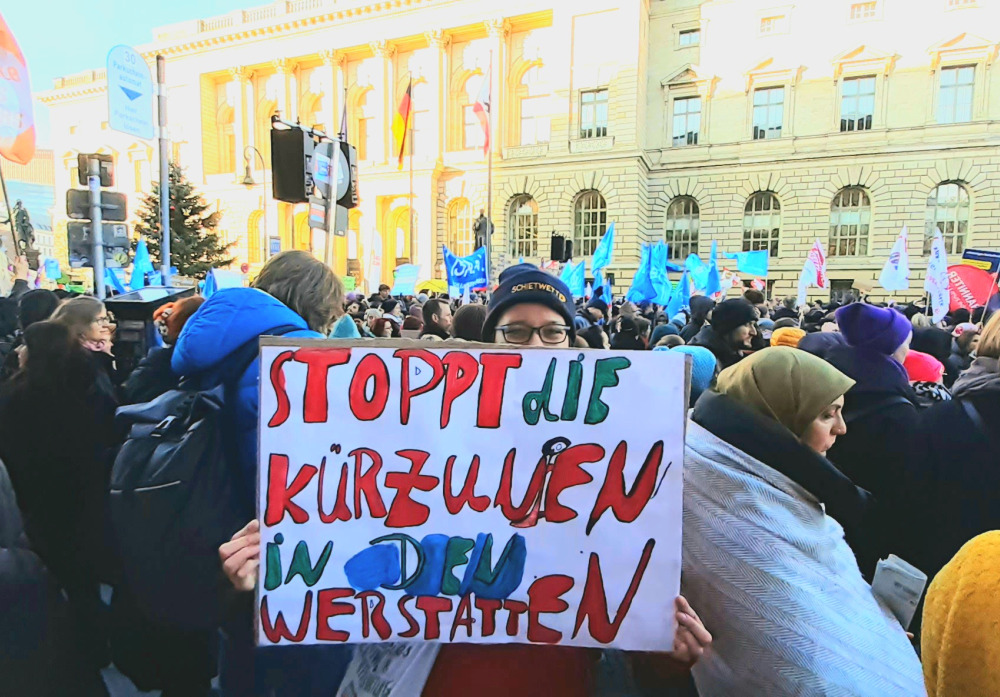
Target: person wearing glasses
89	321
530	307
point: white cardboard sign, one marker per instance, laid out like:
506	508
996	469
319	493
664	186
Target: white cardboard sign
463	493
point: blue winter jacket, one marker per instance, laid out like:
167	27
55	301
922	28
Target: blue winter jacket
223	324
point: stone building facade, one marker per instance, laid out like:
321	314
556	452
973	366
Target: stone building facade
754	124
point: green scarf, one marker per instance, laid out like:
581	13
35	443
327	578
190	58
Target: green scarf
785	384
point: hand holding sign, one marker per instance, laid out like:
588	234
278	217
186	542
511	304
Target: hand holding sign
390	510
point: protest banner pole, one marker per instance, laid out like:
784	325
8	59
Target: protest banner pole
489	179
13	249
96	226
410	200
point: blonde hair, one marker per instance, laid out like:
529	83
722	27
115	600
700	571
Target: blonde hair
306	285
989	339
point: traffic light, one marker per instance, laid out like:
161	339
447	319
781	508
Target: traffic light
291	164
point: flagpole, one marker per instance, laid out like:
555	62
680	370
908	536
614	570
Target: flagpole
489	178
409	119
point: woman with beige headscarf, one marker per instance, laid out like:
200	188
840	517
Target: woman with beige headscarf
765	559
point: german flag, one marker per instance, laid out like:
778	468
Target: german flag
401	122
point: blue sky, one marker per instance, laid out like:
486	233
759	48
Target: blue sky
59	37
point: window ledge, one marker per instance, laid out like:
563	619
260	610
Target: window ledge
591	144
525	151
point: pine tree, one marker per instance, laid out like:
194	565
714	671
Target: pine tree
194	246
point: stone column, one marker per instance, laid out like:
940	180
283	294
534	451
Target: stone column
386	95
239	77
437	80
282	68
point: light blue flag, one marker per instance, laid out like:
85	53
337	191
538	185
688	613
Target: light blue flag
641	289
211	285
681	299
697	271
52	270
405	279
141	265
752	263
112	281
658	274
574	276
713	284
607	295
605	250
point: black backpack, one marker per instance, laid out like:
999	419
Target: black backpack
177	493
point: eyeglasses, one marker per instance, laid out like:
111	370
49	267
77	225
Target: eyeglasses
521	333
105	320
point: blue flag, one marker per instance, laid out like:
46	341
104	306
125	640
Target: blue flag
605	250
141	265
753	263
465	271
658	274
641	289
713	284
112	281
681	299
697	271
405	279
574	276
211	285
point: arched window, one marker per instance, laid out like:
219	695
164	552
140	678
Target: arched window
590	220
255	238
681	231
534	107
850	216
366	132
472	128
422	99
522	226
460	239
948	210
762	223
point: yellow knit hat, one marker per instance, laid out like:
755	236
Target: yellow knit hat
961	628
787	336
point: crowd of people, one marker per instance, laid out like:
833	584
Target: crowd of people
820	440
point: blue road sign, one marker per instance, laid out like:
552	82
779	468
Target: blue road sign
130	93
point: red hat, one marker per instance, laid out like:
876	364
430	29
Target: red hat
923	367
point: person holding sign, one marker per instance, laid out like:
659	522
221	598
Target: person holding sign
452	589
764	552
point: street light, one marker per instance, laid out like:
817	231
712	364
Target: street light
249	183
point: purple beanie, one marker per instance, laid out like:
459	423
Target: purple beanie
877	328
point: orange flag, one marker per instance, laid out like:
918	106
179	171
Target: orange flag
401	122
17	123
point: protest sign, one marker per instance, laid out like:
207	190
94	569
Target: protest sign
469	493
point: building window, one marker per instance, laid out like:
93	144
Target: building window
590	220
762	223
948	211
689	37
421	126
863	10
857	103
776	24
681	232
460	239
594	114
955	94
850	216
687	121
535	108
842	291
366	130
768	112
522	226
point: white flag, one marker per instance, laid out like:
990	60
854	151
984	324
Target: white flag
896	272
813	272
807	277
936	282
